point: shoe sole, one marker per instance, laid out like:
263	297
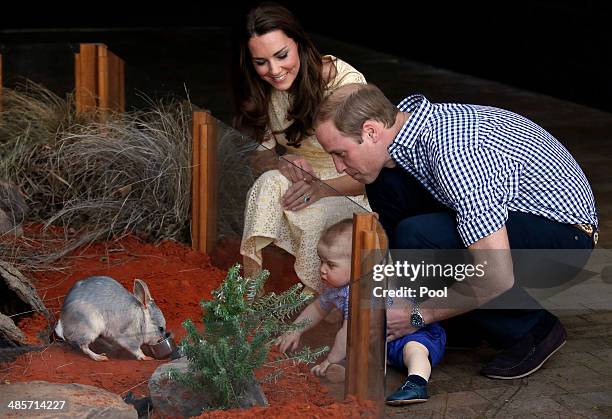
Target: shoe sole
501	377
403	402
335	373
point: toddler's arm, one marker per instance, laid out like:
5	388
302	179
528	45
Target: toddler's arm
314	313
337	353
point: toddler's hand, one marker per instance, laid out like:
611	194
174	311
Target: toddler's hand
288	341
321	369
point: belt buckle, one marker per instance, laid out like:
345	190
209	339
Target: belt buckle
590	231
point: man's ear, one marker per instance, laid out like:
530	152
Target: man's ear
371	130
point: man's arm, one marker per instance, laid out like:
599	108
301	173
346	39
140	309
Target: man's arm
467	295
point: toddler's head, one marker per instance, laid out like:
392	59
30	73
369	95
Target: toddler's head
334	250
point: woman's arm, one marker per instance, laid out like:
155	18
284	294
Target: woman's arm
293	199
343	185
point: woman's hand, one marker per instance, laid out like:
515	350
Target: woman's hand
295	168
301	194
321	369
288	341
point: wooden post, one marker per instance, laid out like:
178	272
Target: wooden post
204	182
99	78
1	85
362	372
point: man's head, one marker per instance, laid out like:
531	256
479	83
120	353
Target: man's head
334	250
356	124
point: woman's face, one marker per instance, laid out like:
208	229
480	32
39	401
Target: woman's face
275	58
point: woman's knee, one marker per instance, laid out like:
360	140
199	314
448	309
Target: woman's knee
269	181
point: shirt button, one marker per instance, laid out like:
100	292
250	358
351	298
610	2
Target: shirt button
575	237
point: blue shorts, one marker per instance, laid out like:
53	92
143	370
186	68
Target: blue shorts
432	336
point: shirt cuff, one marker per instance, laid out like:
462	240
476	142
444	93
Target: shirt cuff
481	225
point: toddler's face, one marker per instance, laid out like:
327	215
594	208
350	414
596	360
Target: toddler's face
335	266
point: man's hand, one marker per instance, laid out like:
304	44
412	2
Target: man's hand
321	369
398	322
295	168
288	341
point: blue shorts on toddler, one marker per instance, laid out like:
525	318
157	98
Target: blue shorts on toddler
432	336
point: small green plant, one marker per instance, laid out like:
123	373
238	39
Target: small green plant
240	327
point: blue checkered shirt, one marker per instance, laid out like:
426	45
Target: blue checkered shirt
483	162
335	297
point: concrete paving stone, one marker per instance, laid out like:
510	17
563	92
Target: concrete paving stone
471	368
460	404
438	375
576	378
466	398
603	368
572	321
544	405
605	413
590	331
604	318
404	412
585	401
574	344
564	357
473	383
603	354
527	389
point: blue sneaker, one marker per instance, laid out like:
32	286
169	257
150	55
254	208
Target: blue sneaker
407	393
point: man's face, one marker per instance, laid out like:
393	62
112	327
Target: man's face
363	162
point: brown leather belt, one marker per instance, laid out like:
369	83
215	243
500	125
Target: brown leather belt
589	230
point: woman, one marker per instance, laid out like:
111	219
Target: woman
280	79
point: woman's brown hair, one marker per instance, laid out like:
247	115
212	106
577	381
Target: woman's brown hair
252	94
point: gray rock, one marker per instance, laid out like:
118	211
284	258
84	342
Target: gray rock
171	398
80	401
13	208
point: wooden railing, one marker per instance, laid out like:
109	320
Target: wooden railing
204	182
366	336
99	77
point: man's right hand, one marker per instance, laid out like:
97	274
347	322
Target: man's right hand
295	168
398	322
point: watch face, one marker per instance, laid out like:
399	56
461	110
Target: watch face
416	320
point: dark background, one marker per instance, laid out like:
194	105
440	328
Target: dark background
560	48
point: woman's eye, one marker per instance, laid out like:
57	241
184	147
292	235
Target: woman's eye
282	57
260	63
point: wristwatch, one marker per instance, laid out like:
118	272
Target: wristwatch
416	318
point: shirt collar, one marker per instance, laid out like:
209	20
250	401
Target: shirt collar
419	108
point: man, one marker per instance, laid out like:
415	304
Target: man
452	176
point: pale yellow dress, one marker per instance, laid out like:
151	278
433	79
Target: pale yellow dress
297	232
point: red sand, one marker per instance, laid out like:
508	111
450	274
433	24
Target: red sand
178	279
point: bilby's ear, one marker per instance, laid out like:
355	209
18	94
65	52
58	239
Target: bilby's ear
141	292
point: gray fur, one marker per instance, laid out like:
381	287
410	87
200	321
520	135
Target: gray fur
100	306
